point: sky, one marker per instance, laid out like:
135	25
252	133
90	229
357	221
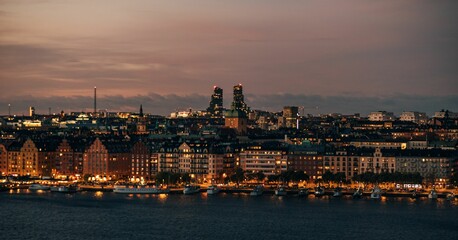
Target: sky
353	56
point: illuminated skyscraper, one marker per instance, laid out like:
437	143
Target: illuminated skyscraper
236	118
31	111
216	102
239	102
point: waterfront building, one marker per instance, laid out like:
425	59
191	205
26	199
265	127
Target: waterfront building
344	161
432	164
65	163
110	158
3	159
140	160
194	158
14	159
216	160
307	158
168	156
376	161
69	156
31	158
268	158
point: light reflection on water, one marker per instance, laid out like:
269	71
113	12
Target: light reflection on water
98	194
107	215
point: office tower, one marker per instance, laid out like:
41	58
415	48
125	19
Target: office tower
239	102
31	111
216	102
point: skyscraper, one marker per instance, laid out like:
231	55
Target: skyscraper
239	102
216	102
236	118
31	111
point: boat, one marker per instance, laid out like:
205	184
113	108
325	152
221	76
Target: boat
337	192
65	189
213	189
37	186
432	194
191	189
358	193
319	191
257	191
414	194
136	189
303	192
280	191
450	196
376	192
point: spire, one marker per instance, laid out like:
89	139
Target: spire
141	110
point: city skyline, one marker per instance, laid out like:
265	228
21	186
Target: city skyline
354	57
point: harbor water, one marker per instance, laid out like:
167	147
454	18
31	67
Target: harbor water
107	215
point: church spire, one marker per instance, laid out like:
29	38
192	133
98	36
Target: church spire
141	110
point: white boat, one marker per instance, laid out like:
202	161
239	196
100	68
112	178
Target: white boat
37	186
358	193
191	189
432	194
257	191
319	191
280	191
303	192
65	189
213	189
337	192
376	192
137	190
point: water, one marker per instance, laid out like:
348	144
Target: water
97	215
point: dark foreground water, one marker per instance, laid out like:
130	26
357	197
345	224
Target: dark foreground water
97	215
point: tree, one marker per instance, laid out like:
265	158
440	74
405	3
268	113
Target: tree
299	176
238	176
454	179
260	176
328	176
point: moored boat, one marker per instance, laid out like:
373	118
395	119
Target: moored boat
213	189
280	191
191	189
432	194
414	194
450	196
319	191
337	192
303	192
358	193
37	186
376	192
257	191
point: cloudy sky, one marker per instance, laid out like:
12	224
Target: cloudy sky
326	55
